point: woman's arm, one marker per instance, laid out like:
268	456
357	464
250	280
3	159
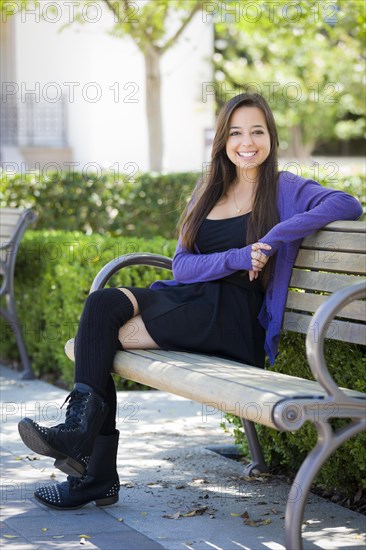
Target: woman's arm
313	207
193	268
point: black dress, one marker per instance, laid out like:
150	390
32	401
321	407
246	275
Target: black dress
214	317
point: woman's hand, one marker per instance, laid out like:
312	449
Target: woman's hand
259	259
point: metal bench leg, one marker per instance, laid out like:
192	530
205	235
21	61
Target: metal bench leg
11	317
258	462
328	442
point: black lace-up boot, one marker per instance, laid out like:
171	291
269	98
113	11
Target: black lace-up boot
99	483
71	443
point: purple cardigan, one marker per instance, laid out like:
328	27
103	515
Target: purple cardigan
304	206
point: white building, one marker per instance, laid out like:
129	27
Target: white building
76	98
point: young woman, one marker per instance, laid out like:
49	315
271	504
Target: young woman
238	239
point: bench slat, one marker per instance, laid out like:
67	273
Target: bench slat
9	210
192	357
331	260
6	230
206	379
347	225
327	282
354	333
306	301
331	240
248	391
9	218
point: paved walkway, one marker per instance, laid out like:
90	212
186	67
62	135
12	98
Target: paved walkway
165	471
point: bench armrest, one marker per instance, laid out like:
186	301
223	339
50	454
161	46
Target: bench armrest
144	258
315	339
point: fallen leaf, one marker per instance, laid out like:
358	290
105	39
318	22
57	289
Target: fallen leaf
172	516
58	536
257	522
44	529
250	522
235	515
144	513
53	475
85	536
265	522
10	536
245	515
120	519
195	512
247	478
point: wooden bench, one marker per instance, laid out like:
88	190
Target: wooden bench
329	261
14	222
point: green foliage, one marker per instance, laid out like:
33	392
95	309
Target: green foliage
308	62
149	23
144	205
285	451
54	273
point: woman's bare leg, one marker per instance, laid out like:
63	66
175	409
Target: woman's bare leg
133	334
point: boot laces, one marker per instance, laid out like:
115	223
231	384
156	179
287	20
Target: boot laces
76	481
75	409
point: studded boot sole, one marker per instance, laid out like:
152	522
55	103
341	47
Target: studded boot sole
31	435
70	443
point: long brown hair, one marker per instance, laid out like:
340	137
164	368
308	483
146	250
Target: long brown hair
221	175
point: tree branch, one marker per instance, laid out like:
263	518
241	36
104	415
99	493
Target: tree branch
186	22
134	29
111	7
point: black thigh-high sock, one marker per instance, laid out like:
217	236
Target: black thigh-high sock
96	342
109	424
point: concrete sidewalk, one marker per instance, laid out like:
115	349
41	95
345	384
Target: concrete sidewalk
165	471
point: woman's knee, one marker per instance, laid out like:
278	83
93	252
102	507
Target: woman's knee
130	295
110	299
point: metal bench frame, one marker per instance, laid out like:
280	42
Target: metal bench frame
8	255
289	413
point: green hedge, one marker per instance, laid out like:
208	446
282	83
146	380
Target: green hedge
54	272
148	206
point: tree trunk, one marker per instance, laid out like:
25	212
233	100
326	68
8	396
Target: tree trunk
297	148
153	108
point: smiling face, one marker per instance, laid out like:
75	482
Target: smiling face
248	144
